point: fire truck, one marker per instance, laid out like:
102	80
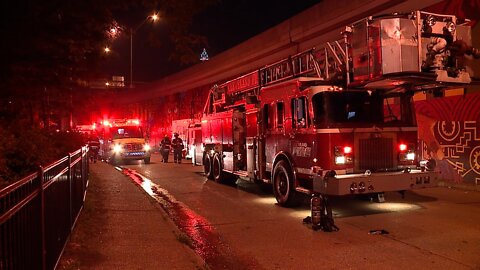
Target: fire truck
189	131
338	119
123	140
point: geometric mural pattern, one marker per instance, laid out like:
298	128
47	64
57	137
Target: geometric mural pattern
450	130
460	143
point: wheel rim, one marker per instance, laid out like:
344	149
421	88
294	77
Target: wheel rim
282	184
216	168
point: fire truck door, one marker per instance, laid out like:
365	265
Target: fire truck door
299	139
251	142
239	141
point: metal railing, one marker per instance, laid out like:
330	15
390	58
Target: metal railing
37	213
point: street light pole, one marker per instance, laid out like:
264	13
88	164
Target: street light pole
131	58
154	18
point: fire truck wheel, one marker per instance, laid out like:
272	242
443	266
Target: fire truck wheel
112	161
219	175
217	169
284	186
207	166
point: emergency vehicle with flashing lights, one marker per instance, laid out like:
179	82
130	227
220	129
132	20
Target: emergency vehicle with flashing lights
338	119
124	140
189	131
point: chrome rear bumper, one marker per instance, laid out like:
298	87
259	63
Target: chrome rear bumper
375	182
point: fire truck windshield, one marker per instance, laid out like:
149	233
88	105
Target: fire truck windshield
127	132
361	109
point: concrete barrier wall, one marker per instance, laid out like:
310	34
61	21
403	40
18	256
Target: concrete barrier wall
312	27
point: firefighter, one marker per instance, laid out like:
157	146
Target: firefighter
94	147
165	146
177	148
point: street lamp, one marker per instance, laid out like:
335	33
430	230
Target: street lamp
154	18
115	31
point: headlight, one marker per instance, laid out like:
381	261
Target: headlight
406	152
343	155
410	156
340	160
117	148
146	147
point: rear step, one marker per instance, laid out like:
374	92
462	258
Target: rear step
303	190
242	173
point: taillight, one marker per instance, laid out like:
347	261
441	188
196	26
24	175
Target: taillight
343	155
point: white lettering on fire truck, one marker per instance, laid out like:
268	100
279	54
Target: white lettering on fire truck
302	150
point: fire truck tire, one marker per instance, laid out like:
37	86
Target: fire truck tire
207	166
112	161
284	186
217	169
219	175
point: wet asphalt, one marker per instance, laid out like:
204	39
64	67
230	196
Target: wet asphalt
239	226
122	228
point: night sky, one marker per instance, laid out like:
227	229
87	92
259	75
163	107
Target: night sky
225	25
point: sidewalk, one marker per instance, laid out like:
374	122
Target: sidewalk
461	186
122	228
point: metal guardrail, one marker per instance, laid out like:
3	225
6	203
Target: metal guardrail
38	212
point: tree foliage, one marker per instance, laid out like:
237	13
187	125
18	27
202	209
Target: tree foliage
48	50
23	149
56	43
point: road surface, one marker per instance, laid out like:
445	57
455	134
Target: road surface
239	226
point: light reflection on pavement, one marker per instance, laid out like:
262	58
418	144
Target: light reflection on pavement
205	241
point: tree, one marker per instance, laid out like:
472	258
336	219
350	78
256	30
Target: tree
49	48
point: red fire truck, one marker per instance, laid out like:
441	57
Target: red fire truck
189	131
337	119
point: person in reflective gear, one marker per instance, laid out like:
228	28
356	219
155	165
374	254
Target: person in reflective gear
165	146
94	147
177	148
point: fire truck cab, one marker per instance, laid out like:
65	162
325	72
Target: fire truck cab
338	119
124	140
